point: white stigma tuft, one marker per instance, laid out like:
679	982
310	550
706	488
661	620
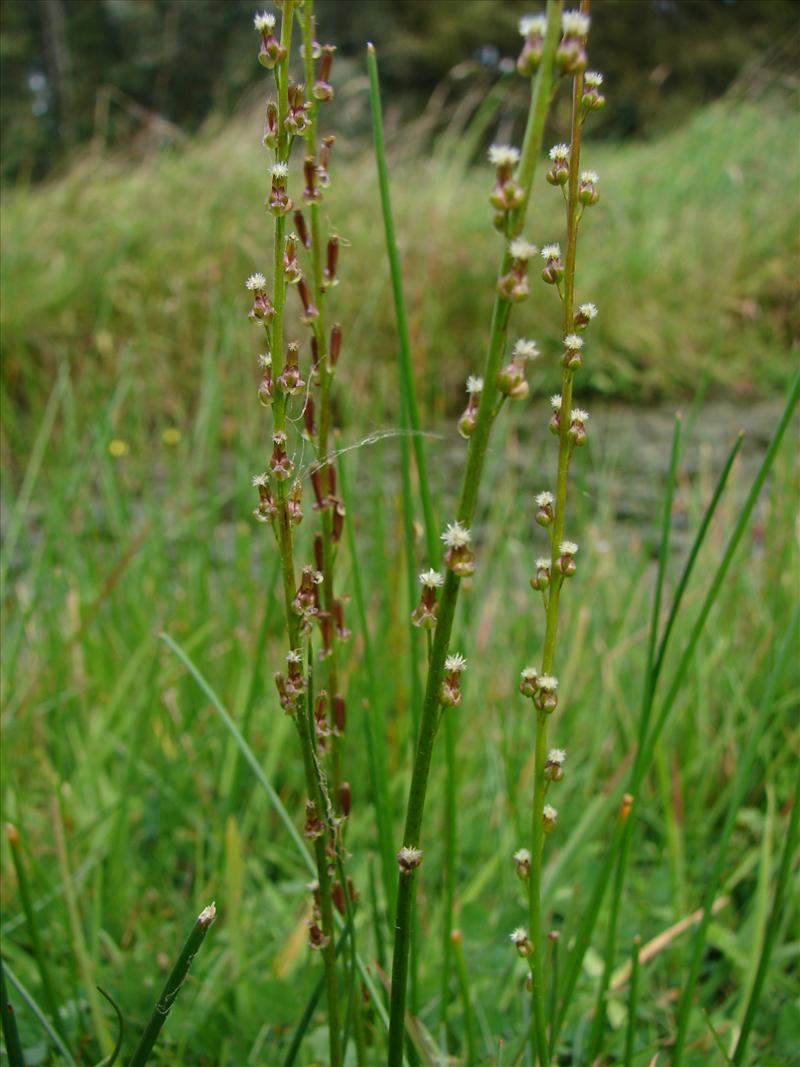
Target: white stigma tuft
567	548
574	24
525	349
559	152
455	663
431	579
550	252
456	535
474	384
256	282
533	25
503	155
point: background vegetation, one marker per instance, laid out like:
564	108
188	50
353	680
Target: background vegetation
130	431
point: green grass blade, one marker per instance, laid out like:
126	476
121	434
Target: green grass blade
633	1002
172	987
308	1011
373	720
644	757
770	936
111	1059
39	1015
12	834
246	751
406	368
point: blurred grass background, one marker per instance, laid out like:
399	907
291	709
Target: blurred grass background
129	434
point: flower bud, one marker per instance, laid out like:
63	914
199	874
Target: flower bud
592	99
263	311
507	194
541	579
587	188
554	425
577	427
298	117
329	278
310	312
469	418
345	798
450	693
584	315
279	202
571	51
546	698
302	229
294	504
558	174
271	126
426	612
314	826
323	166
311	194
554	767
306	598
342	632
513	286
291	264
335	345
572	356
266	510
266	390
289	379
533	29
529	682
521	942
522	863
271	51
323	90
545	503
459	556
567	551
280	465
549	818
408	859
554	268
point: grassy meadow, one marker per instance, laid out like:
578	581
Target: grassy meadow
130	434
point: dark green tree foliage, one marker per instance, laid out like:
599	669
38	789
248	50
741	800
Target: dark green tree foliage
144	72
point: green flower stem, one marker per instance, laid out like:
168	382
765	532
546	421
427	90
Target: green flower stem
285	542
536	933
326	372
172	987
476	455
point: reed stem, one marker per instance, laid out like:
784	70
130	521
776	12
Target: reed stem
476	454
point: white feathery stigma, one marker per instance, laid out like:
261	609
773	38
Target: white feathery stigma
544	498
455	663
593	79
533	25
575	24
255	282
474	384
573	342
567	548
525	349
556	756
559	152
550	252
503	155
431	579
456	535
264	21
522	249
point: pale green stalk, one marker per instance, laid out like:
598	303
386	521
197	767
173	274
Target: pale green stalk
478	442
285	541
536	932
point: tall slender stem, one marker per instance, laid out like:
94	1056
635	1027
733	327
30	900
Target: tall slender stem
551	627
476	455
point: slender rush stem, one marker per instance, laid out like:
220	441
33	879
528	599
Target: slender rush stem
475	460
536	932
285	543
172	987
